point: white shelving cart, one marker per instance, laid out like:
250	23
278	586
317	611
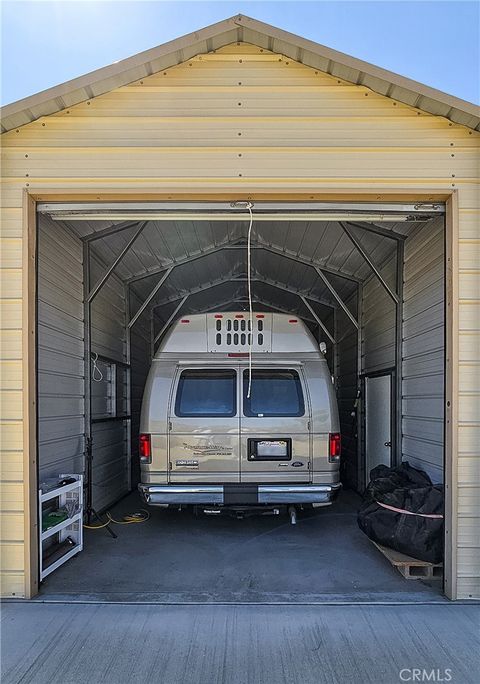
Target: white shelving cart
71	529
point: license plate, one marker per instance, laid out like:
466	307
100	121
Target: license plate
276	449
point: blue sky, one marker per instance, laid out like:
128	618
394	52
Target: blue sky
434	41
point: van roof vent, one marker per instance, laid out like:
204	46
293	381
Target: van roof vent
232	332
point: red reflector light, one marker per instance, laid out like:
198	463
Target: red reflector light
185	320
259	316
145	448
218	316
239	316
238	355
293	320
335	447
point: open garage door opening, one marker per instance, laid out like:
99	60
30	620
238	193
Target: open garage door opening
368	282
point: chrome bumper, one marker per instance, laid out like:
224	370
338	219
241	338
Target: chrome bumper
164	495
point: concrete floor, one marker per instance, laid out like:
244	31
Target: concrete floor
177	557
117	644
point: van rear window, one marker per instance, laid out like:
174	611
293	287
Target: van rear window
274	392
206	394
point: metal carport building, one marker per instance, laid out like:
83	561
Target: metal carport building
166	141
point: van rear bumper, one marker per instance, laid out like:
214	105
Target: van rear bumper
247	494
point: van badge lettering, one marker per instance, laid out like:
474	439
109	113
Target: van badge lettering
297	464
208	449
187	462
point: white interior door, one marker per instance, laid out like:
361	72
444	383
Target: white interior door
378	422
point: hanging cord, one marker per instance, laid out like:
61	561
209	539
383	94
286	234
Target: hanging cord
129	519
250	307
96	369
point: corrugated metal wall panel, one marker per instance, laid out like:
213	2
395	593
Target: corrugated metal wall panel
378	322
110	445
347	379
140	365
423	350
60	351
414	150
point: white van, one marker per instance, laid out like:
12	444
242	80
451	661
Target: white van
206	440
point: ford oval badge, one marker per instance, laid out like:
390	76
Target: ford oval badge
297	464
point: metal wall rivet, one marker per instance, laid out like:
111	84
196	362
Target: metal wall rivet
26	155
43	124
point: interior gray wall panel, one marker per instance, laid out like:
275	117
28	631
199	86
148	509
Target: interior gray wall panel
423	350
140	365
346	382
108	315
378	318
60	350
110	444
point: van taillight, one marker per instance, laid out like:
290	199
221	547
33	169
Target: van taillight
145	449
335	447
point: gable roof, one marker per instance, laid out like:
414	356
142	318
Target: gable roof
235	29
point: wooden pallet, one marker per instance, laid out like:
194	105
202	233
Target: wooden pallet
411	568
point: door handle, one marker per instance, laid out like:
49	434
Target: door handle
387	444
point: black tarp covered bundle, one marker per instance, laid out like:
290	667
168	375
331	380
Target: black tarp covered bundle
410	529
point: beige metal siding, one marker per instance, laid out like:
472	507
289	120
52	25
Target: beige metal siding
246	121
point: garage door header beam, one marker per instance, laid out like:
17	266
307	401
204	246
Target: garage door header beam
105	211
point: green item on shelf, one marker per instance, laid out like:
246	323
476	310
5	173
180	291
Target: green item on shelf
53	518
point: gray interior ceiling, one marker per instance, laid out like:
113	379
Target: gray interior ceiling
210	261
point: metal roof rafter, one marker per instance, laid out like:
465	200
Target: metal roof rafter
234	246
337	297
232	278
96	289
369	261
170	319
111	230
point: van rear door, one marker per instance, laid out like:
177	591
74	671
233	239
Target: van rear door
275	426
204	426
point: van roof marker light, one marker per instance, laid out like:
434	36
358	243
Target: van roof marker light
218	316
293	320
239	316
238	355
185	320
